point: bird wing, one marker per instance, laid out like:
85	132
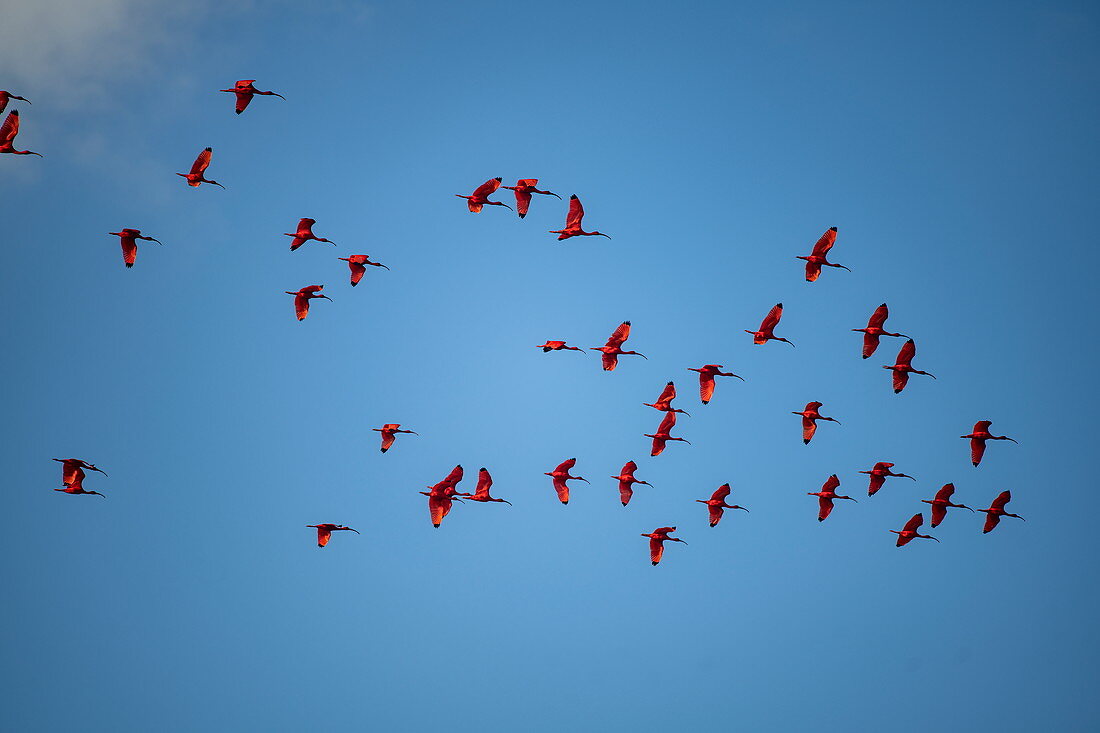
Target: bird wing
487	188
453	477
527	183
982	426
564	466
620	335
991	521
10	128
668	422
812	406
387	440
706	386
656	550
610	361
625	492
914	522
243	98
74	476
900	380
562	489
357	271
945	493
907	352
831	483
824	508
903	539
523	201
809	427
977	450
301	306
878	317
668	394
323	536
939	511
715	514
870	343
201	162
772	319
438	507
313	289
1002	498
658	446
629	468
876	484
297	242
129	251
576	213
484	483
828	239
721	493
813	271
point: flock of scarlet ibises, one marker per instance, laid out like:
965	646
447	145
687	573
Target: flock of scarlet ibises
443	494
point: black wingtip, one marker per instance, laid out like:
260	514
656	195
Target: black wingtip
779	305
129	264
866	357
832	229
655	563
821	519
498	178
573	196
565	502
805	442
210	150
522	215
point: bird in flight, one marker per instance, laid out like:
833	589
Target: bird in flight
878	473
941	503
480	197
657	540
626	481
302	298
304	234
481	493
8	131
524	188
195	177
6	97
996	510
77	487
810	416
389	434
557	346
706	380
613	349
874	330
129	245
357	264
904	366
819	256
825	497
442	494
245	91
662	434
767	326
72	470
716	504
909	531
573	222
664	402
560	475
978	436
324	532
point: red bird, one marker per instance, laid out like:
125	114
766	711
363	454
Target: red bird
716	504
612	350
825	497
874	330
129	245
819	256
481	493
904	366
560	475
664	402
304	234
357	264
442	494
573	222
245	91
768	325
878	475
657	542
6	97
557	346
195	177
8	132
996	510
389	434
626	480
706	379
480	196
810	416
909	531
72	470
978	436
941	503
324	532
524	188
77	487
302	298
662	434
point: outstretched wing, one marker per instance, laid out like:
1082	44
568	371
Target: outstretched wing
243	98
668	394
878	317
824	508
772	319
939	512
828	239
523	200
357	271
484	483
870	343
721	493
625	492
565	466
907	352
323	536
876	484
900	380
658	446
656	550
831	483
706	386
668	422
715	514
387	440
438	507
914	522
945	493
991	521
576	213
563	490
620	335
201	162
487	188
999	503
301	306
129	251
813	271
982	426
10	128
977	450
809	427
610	361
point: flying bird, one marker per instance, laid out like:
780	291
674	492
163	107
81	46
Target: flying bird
524	188
195	177
481	493
245	91
324	532
825	497
612	350
941	503
878	473
810	416
904	366
978	436
909	531
357	264
996	510
389	434
77	487
706	380
626	481
657	542
662	434
560	475
716	504
8	131
819	256
767	326
573	222
6	97
441	495
874	330
305	234
664	402
72	470
557	346
129	244
302	298
480	197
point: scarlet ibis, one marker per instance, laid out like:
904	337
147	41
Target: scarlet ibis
77	487
524	188
996	510
626	481
573	222
909	531
878	474
819	255
904	366
481	493
442	494
129	245
825	497
716	504
480	196
245	91
941	503
324	532
662	434
560	475
874	330
305	234
657	540
8	131
978	436
706	379
6	97
664	402
389	434
302	298
72	470
612	350
357	264
195	177
557	346
810	416
768	325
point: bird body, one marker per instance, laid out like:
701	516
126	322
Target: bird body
874	330
904	366
767	327
826	496
389	434
716	504
6	97
524	188
357	264
707	373
996	510
573	222
245	90
978	436
626	482
810	416
941	502
302	298
8	131
662	435
819	256
664	401
557	346
77	487
480	197
878	473
72	470
196	176
441	495
324	531
560	475
657	539
304	233
128	239
613	349
481	493
909	531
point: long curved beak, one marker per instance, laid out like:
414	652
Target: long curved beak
787	342
581	478
930	537
738	376
381	265
216	184
554	194
1012	439
902	475
605	235
505	501
354	530
154	239
844	267
643	356
964	506
280	96
686	440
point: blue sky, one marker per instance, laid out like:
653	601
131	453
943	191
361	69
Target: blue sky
952	145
